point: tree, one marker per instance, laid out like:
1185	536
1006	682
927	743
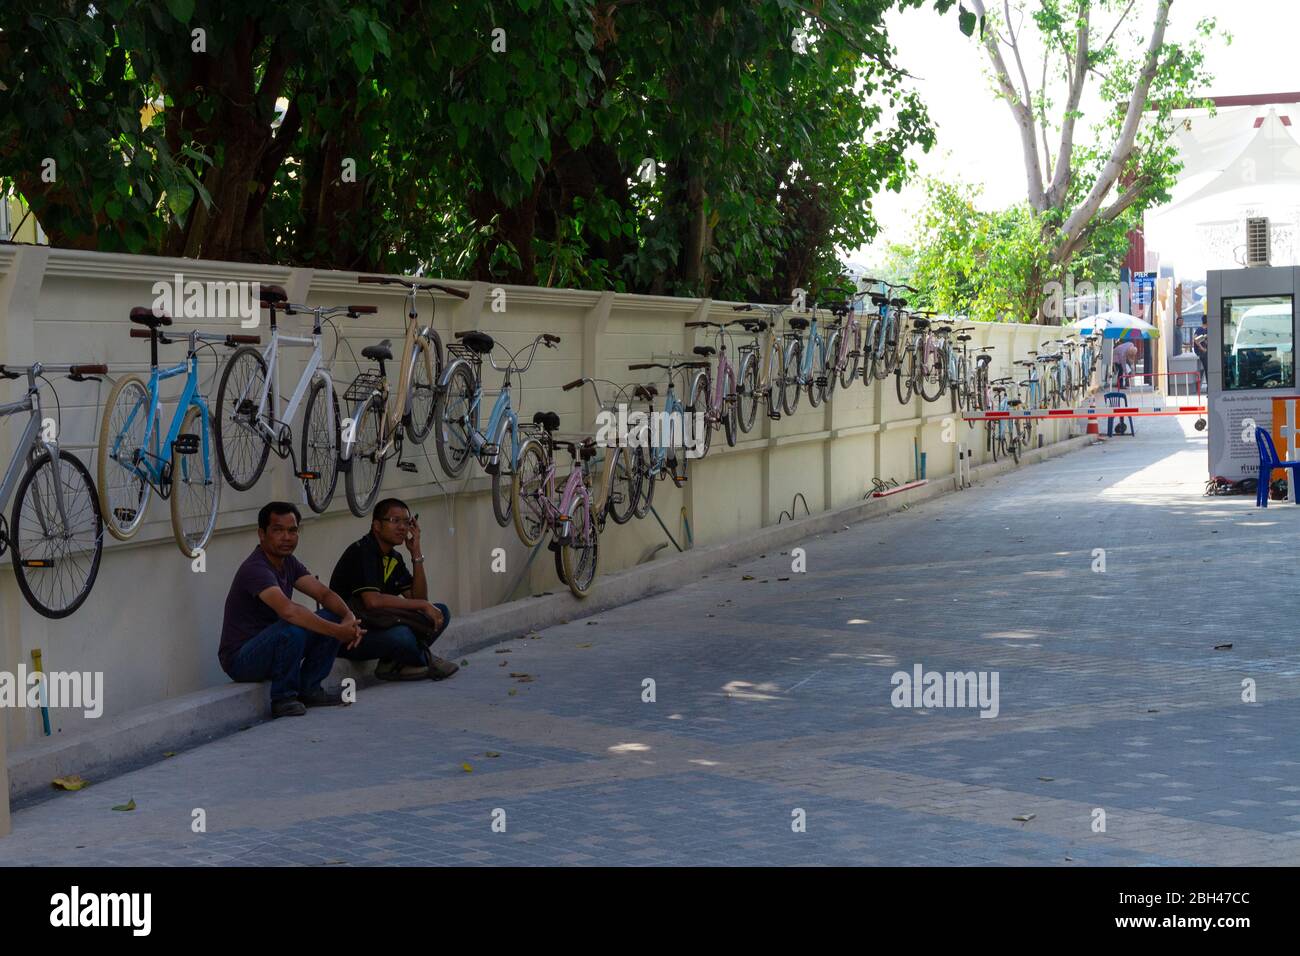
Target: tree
1089	195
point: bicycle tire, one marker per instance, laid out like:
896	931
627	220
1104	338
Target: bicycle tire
819	381
22	553
625	474
747	393
699	404
233	434
527	486
931	383
453	422
729	413
123	518
791	369
908	379
365	471
320	449
579	552
503	476
193	527
852	359
422	400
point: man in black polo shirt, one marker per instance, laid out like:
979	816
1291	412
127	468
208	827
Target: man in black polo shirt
372	577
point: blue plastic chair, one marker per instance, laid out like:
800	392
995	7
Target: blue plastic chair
1268	460
1118	400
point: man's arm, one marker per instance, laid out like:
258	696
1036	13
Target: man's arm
375	599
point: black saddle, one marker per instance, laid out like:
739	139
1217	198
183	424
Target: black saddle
587	450
645	393
898	303
983	359
798	324
548	420
963	338
705	350
379	352
270	294
755	325
141	315
479	342
920	324
878	299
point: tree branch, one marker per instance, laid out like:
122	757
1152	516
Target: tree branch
1078	68
1124	144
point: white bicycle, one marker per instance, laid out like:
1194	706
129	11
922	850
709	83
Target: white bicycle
248	418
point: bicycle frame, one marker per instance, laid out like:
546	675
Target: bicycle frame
270	394
502	411
151	465
25	449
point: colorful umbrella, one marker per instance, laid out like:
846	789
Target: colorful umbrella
1115	325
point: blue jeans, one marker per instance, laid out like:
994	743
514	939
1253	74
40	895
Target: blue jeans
293	658
398	644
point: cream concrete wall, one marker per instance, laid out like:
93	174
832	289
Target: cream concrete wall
152	624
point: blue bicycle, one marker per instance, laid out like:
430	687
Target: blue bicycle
807	369
672	429
136	457
459	405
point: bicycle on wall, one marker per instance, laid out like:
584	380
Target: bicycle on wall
249	422
717	399
883	350
460	403
380	417
661	452
762	366
615	496
567	512
55	531
806	369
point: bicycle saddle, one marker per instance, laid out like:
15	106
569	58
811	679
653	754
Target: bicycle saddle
963	338
645	393
1015	402
272	293
587	449
548	420
920	324
878	299
379	352
798	324
983	359
754	325
705	350
476	341
141	315
898	303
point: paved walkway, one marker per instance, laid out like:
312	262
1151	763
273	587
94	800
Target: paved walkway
773	695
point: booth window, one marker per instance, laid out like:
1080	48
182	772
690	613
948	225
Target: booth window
1258	342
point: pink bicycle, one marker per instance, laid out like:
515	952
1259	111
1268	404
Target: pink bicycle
568	515
719	402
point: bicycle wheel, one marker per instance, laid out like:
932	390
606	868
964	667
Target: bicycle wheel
730	414
195	484
56	560
934	374
123	491
747	393
1014	446
904	379
242	448
320	446
993	439
365	468
643	465
503	475
791	367
528	489
828	363
422	400
701	389
453	421
578	552
849	370
624	485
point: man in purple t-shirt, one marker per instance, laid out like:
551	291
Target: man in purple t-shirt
267	636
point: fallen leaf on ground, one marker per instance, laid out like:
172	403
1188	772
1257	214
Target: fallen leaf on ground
491	753
783	579
464	662
129	805
1047	779
504	650
525	679
467	768
746	577
1223	647
513	691
169	753
70	782
589	623
1024	817
582	645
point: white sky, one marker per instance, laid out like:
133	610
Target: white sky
976	137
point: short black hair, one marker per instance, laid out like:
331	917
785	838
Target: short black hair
381	509
277	508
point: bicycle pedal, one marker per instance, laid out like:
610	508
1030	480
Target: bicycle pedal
186	445
407	466
36	563
307	475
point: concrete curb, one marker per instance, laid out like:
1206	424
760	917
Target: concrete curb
142	737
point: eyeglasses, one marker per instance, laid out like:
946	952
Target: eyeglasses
398	521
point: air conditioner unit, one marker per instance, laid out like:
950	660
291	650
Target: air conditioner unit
1258	252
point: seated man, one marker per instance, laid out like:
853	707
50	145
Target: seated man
265	635
373	578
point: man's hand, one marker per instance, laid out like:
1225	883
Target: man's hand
350	632
432	613
413	539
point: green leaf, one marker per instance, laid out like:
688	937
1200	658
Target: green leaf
129	805
965	20
182	10
362	55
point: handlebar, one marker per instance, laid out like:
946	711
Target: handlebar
414	286
550	341
576	383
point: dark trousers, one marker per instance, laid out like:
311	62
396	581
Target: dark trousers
292	658
398	644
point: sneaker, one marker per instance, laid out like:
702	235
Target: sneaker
391	670
438	668
287	707
320	697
